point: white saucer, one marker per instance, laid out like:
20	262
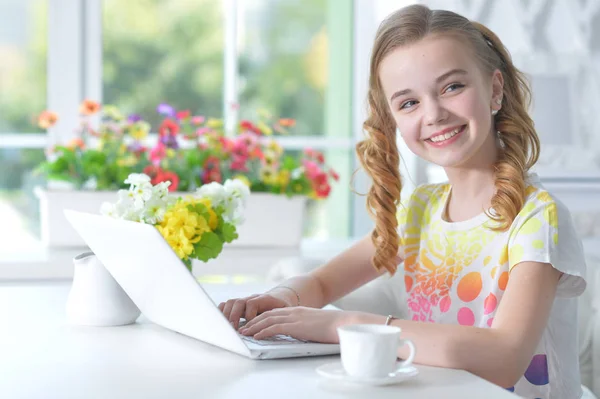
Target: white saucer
336	371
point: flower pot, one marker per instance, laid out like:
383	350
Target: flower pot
96	299
271	220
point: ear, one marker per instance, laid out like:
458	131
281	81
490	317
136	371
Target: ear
497	90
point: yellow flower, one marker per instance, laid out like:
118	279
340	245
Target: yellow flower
268	175
214	123
267	131
170	153
139	130
283	178
214	220
270	158
274	148
129	160
113	112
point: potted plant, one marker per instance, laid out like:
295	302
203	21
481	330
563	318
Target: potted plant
189	151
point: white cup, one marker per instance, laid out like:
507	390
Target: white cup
371	350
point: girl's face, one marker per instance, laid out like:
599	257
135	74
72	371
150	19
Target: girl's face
442	101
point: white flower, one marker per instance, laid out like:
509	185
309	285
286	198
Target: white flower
154	211
234	211
161	190
296	173
213	191
141	194
237	189
137	179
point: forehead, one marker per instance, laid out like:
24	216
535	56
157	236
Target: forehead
423	61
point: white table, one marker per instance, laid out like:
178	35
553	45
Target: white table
43	358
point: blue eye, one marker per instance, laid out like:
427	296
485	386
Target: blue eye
406	104
454	86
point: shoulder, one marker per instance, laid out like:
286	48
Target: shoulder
430	193
541	203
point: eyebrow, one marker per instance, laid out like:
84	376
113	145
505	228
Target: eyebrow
438	80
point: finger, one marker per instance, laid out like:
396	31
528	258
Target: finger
265	323
276	329
269	313
221	306
228	306
236	312
252	307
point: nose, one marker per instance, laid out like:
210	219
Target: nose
435	113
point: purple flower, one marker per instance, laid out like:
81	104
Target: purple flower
169	141
166	110
136	146
134	118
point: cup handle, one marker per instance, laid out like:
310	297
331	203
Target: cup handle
411	357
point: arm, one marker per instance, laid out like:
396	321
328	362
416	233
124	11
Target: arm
499	354
340	276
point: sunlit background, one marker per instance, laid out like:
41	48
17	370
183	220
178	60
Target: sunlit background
301	59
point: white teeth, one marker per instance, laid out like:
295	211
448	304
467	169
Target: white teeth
443	137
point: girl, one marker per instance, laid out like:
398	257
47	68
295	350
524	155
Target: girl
491	261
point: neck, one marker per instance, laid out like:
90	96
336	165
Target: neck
473	183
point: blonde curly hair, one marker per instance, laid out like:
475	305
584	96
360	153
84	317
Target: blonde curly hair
379	155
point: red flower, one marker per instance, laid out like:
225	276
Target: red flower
334	174
168	126
321	186
153	171
239	163
166	175
249	126
320	157
183	114
227	144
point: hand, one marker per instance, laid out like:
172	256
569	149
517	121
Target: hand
309	324
249	307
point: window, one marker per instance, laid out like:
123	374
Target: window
284	67
23	87
174	52
163	52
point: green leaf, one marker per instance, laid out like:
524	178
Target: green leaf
209	247
228	232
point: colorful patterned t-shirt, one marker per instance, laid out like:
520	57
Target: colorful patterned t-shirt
456	273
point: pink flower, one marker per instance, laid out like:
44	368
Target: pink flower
309	152
202	131
247	139
157	153
311	169
198	120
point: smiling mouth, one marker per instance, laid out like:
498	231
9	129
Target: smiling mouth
447	136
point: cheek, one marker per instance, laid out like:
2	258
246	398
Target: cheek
408	130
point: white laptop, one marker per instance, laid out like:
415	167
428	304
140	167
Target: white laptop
165	291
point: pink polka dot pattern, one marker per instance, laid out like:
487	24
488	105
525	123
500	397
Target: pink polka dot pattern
466	317
489	305
445	304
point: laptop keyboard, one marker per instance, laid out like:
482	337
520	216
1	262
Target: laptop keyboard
274	340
